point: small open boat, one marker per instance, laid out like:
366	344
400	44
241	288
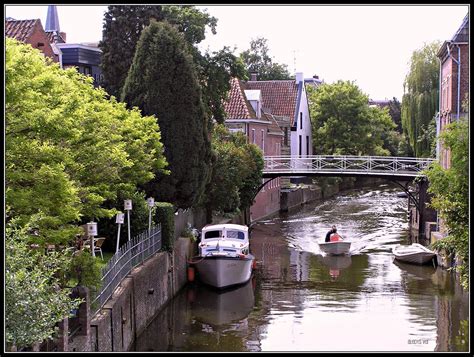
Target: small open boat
224	259
336	246
414	253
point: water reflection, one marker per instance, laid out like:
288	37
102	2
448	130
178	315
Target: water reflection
218	308
305	301
336	263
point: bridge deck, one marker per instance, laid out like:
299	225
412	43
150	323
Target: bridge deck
325	165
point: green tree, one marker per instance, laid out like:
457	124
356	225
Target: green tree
420	98
162	81
215	73
236	173
257	60
69	150
450	190
395	111
34	299
123	25
344	124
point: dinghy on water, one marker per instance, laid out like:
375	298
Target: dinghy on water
414	254
336	245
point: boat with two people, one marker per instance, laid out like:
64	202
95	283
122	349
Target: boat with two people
414	254
336	245
224	258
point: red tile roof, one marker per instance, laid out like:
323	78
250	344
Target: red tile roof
54	37
278	97
237	106
20	30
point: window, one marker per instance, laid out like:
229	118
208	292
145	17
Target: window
285	138
299	143
307	145
213	234
301	120
263	140
235	234
253	136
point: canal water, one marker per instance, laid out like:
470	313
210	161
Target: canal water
301	300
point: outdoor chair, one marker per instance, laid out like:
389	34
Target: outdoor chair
98	246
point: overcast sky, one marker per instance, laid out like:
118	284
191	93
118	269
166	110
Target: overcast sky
368	44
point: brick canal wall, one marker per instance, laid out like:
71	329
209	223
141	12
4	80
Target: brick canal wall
139	299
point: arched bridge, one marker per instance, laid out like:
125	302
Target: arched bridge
395	168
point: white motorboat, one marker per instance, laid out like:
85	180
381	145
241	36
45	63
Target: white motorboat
414	253
336	246
224	259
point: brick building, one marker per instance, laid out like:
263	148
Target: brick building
244	110
31	32
453	88
454	83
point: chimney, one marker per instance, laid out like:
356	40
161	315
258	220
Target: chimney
253	76
63	36
316	76
299	77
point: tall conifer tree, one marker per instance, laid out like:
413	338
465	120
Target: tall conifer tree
162	81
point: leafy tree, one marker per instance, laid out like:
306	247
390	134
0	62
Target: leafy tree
450	190
215	73
123	25
162	81
69	150
344	124
420	99
395	111
258	60
34	299
236	173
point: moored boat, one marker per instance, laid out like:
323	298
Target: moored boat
224	259
414	253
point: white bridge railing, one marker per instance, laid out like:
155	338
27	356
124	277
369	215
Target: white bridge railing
347	165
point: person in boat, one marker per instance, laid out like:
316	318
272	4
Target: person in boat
328	234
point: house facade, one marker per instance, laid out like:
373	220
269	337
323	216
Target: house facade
453	89
287	101
31	32
84	56
244	112
454	84
51	41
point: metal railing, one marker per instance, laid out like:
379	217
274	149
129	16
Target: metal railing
325	164
131	254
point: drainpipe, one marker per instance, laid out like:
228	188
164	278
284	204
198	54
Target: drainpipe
438	121
459	80
458	62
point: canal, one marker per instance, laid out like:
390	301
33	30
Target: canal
300	300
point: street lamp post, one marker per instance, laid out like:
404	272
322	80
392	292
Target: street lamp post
119	220
127	205
151	203
91	232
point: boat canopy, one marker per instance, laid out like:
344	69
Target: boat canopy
230	231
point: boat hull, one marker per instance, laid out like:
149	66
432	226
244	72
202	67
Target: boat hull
414	254
335	248
223	272
416	258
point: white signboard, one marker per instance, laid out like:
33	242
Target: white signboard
127	205
92	228
120	218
